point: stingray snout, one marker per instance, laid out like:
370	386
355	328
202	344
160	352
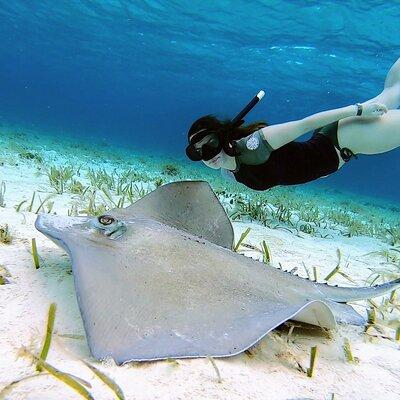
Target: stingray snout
54	226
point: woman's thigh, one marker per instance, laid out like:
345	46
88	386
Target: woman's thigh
390	96
370	135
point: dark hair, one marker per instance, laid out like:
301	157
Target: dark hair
213	124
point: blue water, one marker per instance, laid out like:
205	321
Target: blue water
139	72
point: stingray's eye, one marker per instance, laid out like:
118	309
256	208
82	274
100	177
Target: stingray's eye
108	226
106	220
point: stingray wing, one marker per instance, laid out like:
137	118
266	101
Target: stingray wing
188	205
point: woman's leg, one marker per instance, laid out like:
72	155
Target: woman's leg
375	135
390	96
370	135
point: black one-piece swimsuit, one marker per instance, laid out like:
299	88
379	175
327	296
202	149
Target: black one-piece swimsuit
295	162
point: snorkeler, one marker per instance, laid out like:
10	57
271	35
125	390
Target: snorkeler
262	156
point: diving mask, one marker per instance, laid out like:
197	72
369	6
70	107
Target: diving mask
218	140
207	150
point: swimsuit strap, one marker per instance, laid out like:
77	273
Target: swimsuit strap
346	154
330	131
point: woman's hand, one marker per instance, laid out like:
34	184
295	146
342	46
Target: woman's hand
373	109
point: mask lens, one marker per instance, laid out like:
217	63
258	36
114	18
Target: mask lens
209	152
193	153
204	151
213	142
211	148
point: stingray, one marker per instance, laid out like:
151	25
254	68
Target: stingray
159	280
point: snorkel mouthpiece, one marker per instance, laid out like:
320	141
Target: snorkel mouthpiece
210	149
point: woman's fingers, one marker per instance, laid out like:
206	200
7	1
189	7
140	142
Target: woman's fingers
380	109
373	109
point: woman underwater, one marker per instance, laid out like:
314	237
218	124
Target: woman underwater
262	156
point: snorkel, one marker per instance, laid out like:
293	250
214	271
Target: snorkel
222	139
238	120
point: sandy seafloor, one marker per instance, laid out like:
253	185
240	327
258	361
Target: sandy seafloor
273	370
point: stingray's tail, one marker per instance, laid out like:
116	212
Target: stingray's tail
345	294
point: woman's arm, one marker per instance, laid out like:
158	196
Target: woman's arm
281	134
